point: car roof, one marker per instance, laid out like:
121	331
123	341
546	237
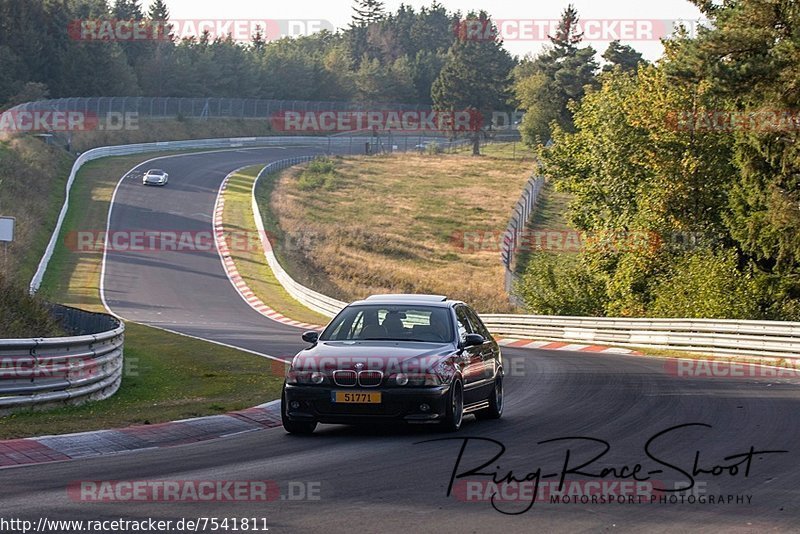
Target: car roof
404	298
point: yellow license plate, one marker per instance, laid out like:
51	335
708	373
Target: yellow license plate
356	397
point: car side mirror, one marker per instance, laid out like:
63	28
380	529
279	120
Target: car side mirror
310	337
473	340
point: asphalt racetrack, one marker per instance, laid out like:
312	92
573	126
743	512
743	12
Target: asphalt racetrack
345	479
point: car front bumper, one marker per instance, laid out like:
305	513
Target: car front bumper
313	403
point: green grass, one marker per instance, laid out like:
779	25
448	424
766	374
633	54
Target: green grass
548	218
238	219
319	174
512	150
168	376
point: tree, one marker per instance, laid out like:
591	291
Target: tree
127	10
426	67
156	67
13	70
546	84
367	12
257	41
474	79
371	82
759	75
623	56
643	190
158	11
567	38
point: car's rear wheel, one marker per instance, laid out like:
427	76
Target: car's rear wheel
455	408
295	427
495	409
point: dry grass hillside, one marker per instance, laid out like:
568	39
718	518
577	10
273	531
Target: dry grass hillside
356	226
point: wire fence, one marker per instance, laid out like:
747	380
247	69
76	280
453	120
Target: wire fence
203	108
516	230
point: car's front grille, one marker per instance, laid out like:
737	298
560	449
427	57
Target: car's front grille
370	379
344	378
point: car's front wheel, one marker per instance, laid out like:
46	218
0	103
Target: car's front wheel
495	409
455	408
295	427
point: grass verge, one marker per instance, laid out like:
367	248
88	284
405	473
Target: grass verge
168	376
549	224
238	219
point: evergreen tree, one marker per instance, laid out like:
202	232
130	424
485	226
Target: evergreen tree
475	78
127	10
623	56
567	37
546	85
366	12
258	42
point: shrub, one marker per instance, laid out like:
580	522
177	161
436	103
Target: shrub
22	315
707	284
561	285
433	148
319	174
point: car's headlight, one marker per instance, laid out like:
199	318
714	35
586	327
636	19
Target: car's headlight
415	379
305	377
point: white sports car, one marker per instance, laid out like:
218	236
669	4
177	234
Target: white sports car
155	177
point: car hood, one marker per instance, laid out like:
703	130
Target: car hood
386	356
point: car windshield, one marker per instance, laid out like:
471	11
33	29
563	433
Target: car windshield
391	322
155	171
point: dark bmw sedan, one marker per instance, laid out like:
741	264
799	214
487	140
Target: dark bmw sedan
408	358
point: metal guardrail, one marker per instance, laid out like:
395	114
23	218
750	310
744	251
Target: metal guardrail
64	370
774	339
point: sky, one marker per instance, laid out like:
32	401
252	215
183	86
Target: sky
638	23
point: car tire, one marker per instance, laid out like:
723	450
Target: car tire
455	408
295	427
495	409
